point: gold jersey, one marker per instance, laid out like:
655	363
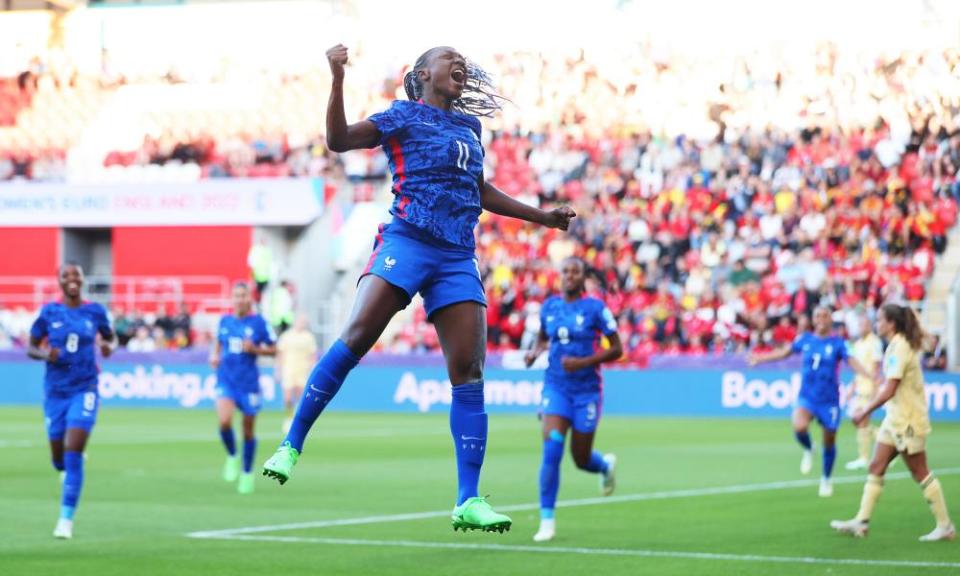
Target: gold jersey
868	351
907	410
298	350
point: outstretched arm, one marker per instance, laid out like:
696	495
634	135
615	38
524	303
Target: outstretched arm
857	367
493	200
780	354
342	137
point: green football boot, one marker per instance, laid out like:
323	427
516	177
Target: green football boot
476	514
245	485
281	464
231	468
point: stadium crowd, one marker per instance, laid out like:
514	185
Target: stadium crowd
720	245
137	331
831	183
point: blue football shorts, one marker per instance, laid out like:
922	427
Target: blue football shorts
249	402
827	414
63	410
442	273
581	409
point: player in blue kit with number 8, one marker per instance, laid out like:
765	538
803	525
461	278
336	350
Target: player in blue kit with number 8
572	391
432	142
65	336
241	338
819	396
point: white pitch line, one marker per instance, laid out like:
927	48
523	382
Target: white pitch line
18	443
597	501
604	552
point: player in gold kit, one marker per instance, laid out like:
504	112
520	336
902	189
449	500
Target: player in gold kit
904	429
868	350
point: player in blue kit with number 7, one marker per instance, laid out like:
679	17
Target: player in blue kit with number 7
572	325
819	396
241	337
432	143
65	337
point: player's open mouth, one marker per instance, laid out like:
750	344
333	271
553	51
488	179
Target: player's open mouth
73	286
459	75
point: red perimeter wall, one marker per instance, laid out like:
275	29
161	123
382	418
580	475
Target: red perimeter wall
182	251
29	251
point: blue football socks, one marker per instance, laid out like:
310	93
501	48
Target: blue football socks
550	473
322	385
72	483
249	449
468	425
829	456
226	435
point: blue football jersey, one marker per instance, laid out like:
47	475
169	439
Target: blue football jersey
437	160
238	369
821	367
73	331
574	329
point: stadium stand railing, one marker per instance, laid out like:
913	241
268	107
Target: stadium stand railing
209	294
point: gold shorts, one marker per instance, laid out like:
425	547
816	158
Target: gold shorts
294	380
903	441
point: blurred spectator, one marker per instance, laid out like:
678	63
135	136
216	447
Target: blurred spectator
741	274
179	340
141	341
281	306
260	261
6	342
159	337
163	322
121	325
935	358
183	323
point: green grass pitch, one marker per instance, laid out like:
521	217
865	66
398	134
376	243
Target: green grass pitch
153	477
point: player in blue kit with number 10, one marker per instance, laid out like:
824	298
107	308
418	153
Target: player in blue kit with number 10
819	389
241	337
65	336
572	392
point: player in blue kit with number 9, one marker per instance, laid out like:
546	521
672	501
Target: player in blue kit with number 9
65	336
241	337
819	396
572	392
432	143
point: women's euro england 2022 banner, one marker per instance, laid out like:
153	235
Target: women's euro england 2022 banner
214	202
